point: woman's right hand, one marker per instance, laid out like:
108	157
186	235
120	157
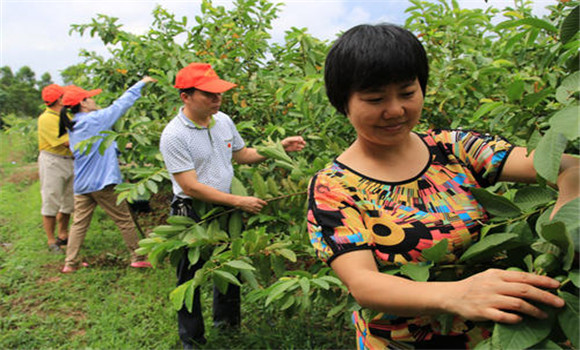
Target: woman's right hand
501	296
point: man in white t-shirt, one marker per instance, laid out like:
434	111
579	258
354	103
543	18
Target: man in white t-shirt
198	146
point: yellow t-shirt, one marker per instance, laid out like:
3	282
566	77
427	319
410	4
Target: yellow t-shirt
48	139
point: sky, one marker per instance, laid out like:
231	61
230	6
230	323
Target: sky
35	33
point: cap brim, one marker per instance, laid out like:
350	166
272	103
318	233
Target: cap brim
94	92
216	86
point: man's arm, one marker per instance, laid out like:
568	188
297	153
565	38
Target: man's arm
187	180
250	155
247	156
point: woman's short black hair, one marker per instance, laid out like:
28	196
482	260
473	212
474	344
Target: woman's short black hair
371	56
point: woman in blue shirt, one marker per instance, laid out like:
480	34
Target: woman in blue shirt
96	173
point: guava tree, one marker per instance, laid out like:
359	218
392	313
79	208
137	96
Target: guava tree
515	75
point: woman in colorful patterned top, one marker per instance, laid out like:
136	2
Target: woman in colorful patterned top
395	192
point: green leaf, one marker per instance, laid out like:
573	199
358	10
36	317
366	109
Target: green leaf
525	334
188	297
332	279
212	229
566	121
529	262
238	187
569	86
490	245
288	254
532	196
177	220
176	296
141	188
568	318
547	344
260	189
548	154
570	25
193	256
557	234
446	322
250	278
523	230
531	21
541	246
484	345
169	230
533	141
335	310
485	109
532	100
151	186
220	283
305	285
240	265
278	290
544	218
568	214
416	272
574	276
437	252
107	142
289	300
235	224
494	204
515	90
321	283
226	276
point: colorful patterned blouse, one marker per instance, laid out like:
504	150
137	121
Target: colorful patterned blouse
348	211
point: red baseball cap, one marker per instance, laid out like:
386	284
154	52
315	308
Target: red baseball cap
73	95
51	93
202	77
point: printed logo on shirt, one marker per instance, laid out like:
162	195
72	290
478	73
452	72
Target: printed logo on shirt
229	143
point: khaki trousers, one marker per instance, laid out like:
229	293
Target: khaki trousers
85	205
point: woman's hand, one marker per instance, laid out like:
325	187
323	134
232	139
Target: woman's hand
148	79
502	296
293	143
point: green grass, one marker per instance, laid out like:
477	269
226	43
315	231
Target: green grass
108	305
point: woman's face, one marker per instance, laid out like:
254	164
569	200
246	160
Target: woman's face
385	116
89	104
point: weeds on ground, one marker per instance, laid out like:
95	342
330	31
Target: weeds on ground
109	305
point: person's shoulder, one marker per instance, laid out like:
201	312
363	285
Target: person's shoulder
331	170
171	130
45	114
172	125
222	117
445	135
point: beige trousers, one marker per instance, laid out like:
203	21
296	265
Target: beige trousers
85	206
56	183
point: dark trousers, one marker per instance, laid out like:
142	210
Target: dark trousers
226	307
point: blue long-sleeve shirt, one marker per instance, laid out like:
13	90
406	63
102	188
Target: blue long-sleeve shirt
94	171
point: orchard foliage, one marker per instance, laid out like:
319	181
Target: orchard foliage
501	71
20	92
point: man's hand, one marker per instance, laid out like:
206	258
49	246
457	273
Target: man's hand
293	143
250	204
